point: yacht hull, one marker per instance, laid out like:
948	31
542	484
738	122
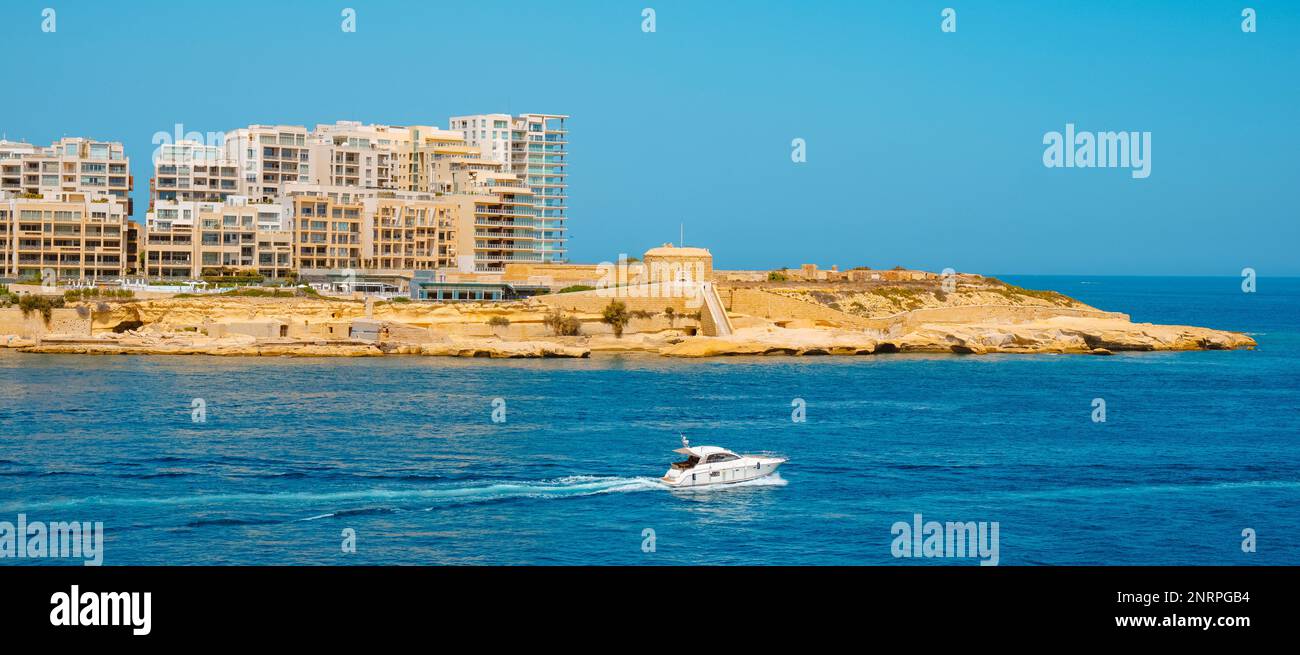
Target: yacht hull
745	470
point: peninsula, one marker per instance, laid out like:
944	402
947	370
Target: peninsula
671	304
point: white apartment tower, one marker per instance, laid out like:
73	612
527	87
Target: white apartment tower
535	147
269	157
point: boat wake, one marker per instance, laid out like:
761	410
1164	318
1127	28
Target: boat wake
440	494
567	487
378	501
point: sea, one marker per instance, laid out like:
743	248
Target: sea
199	460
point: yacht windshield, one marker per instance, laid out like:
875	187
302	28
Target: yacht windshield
689	463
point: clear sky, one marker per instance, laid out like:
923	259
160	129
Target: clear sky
924	148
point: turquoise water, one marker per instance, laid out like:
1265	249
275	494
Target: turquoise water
1196	447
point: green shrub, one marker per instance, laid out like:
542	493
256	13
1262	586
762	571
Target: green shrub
498	321
400	300
777	276
616	316
575	288
43	304
74	295
563	325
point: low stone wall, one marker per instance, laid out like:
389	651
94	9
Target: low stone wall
62	321
558	274
647	298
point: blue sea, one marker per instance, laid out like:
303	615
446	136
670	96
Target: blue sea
1196	448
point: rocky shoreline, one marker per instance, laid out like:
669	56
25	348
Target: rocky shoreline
1064	335
980	316
1055	336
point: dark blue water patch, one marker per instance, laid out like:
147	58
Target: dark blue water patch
1197	447
226	522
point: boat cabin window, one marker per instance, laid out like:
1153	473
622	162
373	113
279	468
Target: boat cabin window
689	463
720	457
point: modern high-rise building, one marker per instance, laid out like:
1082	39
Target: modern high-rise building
534	146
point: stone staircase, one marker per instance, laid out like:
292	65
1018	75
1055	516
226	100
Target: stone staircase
713	320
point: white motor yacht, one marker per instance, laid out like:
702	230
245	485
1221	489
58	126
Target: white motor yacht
711	465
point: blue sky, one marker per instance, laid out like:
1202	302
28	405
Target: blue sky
923	148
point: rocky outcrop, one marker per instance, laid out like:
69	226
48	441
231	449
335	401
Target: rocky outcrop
236	346
244	346
1037	322
496	349
775	341
1056	335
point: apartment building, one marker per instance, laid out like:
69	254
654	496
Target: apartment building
275	254
408	232
189	171
11	165
486	193
69	165
190	239
350	154
498	222
269	157
535	147
269	216
335	227
169	251
66	235
134	239
496	216
327	225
